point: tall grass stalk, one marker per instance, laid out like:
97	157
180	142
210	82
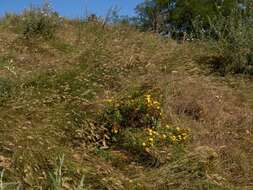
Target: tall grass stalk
57	177
8	186
231	38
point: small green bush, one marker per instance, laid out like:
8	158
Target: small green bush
131	112
235	45
231	38
10	20
39	22
141	116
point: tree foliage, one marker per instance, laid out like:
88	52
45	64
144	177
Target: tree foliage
159	15
152	12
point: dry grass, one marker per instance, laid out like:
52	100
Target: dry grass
58	87
223	122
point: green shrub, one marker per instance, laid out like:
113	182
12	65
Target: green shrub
231	38
9	20
141	116
130	112
235	45
39	22
131	140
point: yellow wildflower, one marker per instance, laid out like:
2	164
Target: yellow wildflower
151	139
115	130
173	138
150	132
148	98
185	136
156	103
109	100
155	133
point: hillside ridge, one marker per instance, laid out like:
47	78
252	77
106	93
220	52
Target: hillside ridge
109	107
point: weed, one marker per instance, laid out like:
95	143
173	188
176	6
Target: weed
81	185
230	37
39	22
6	88
9	185
57	177
194	168
136	112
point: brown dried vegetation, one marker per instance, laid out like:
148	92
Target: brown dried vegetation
56	88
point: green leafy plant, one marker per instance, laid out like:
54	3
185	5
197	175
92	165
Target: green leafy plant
130	112
230	38
127	118
39	22
234	43
165	135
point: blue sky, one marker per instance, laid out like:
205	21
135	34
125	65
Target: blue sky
73	8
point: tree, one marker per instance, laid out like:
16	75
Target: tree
151	12
157	14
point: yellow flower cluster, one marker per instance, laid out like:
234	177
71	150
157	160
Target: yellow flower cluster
177	135
152	103
115	130
172	135
152	134
178	138
109	100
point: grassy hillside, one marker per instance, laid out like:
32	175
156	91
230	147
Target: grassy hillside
108	107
